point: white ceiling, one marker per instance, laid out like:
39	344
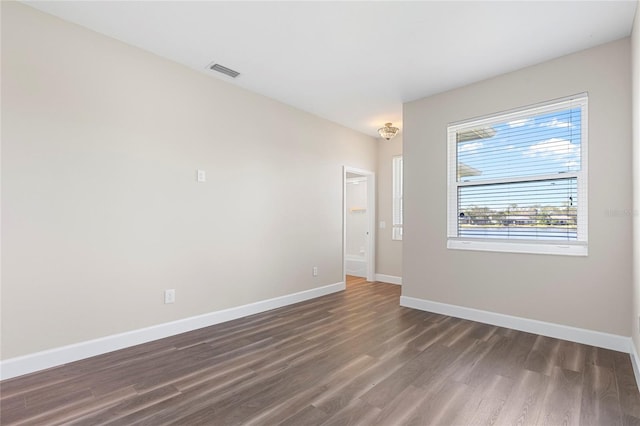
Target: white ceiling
355	63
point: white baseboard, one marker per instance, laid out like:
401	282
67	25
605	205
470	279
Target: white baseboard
389	279
558	331
18	366
635	362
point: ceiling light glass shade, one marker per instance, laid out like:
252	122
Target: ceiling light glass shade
387	131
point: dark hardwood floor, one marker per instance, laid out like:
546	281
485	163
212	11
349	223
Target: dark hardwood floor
354	357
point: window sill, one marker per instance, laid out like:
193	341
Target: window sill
579	249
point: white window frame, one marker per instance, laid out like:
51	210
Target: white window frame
397	189
577	248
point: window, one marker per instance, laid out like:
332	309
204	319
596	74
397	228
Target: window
397	199
518	180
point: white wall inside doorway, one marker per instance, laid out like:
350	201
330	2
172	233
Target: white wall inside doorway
359	223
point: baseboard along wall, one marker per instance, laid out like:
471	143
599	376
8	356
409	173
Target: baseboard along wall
635	362
573	334
389	279
31	363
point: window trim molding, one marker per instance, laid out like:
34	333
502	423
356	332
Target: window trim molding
505	246
573	248
397	227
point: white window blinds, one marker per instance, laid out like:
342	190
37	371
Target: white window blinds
517	180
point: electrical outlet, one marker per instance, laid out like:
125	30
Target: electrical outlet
315	271
169	296
201	176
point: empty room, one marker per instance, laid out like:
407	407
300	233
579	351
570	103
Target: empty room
320	213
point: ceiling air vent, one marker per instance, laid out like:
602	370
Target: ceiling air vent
224	70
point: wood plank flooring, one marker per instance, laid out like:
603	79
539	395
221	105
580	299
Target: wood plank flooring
351	358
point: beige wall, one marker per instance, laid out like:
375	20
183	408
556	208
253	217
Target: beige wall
100	208
635	72
589	292
388	251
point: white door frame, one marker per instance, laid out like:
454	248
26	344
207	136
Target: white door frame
371	227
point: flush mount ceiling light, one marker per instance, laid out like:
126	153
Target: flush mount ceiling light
387	131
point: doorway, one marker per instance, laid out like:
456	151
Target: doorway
358	223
